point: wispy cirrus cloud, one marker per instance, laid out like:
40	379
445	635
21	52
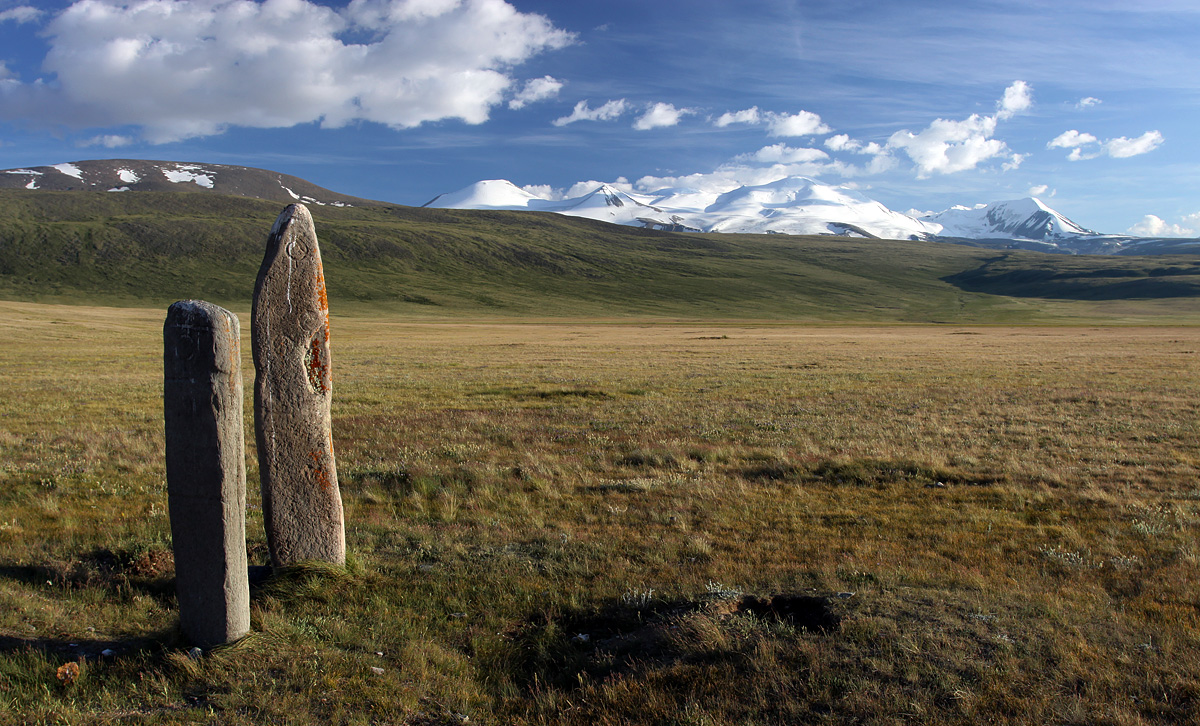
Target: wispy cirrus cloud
609	111
20	14
108	141
536	89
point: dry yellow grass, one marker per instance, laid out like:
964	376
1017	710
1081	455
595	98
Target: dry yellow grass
1015	511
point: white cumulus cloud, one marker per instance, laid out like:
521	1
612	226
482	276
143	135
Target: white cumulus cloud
948	146
945	146
544	191
536	89
804	123
578	189
185	68
1153	226
1088	102
783	153
747	116
1086	146
1122	148
1017	97
1070	140
610	111
1042	190
769	164
842	142
20	14
661	115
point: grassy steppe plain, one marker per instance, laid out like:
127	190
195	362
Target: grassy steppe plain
999	525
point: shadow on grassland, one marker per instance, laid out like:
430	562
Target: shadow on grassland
119	575
1082	277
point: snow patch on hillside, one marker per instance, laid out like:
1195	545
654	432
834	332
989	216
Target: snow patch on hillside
32	173
128	176
183	174
70	170
309	200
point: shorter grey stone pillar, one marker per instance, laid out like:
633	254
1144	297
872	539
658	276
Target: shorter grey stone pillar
206	470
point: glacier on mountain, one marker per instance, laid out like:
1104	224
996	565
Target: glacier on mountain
802	206
1028	219
793	205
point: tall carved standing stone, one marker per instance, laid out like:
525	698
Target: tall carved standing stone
302	507
206	470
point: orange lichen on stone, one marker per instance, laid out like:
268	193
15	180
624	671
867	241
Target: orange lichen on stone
323	299
319	469
322	295
302	510
316	365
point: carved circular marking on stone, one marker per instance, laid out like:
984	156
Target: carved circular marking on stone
185	346
297	251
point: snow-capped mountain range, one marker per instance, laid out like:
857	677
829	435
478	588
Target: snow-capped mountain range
793	205
799	205
1027	218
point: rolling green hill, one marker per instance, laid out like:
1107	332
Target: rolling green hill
151	248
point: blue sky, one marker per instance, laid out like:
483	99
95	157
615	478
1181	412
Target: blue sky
1091	105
